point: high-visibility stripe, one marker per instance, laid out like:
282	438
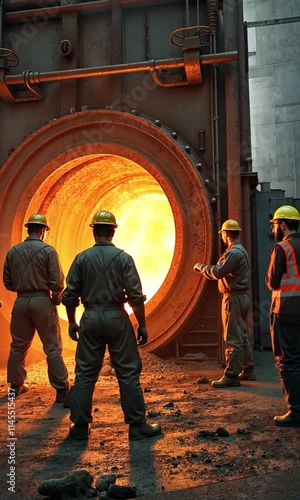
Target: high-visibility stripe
292	266
290	286
286	249
279	293
290	281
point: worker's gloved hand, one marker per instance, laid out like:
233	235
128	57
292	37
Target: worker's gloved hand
74	331
142	335
197	267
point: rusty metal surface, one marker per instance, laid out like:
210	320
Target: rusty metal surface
192	67
50	148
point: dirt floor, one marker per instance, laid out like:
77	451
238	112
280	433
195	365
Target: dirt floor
180	399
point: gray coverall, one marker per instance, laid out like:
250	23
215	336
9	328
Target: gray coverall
32	269
104	278
233	274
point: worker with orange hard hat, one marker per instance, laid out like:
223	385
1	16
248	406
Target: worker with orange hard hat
233	274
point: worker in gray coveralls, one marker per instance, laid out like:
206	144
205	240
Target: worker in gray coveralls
233	274
33	270
104	277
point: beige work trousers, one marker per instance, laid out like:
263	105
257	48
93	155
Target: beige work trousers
238	350
31	314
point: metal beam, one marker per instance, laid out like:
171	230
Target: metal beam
273	22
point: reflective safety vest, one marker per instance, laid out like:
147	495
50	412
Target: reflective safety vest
290	281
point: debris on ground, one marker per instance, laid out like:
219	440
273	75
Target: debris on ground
209	435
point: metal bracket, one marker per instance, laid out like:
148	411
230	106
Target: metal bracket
165	79
191	58
191	40
23	96
192	68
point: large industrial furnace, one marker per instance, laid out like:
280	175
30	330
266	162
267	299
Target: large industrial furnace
139	107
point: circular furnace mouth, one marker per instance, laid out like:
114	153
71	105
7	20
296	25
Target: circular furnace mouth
127	164
74	192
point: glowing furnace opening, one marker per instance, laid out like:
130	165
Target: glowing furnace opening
71	195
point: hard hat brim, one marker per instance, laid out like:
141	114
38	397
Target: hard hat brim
225	230
38	224
284	218
103	224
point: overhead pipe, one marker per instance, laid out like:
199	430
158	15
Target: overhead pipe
57	11
34	77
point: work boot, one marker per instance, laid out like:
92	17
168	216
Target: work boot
247	374
288	420
80	431
17	390
226	382
143	430
61	395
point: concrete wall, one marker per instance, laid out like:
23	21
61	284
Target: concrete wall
274	62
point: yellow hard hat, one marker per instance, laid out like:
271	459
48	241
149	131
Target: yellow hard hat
230	225
286	212
38	219
104	217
